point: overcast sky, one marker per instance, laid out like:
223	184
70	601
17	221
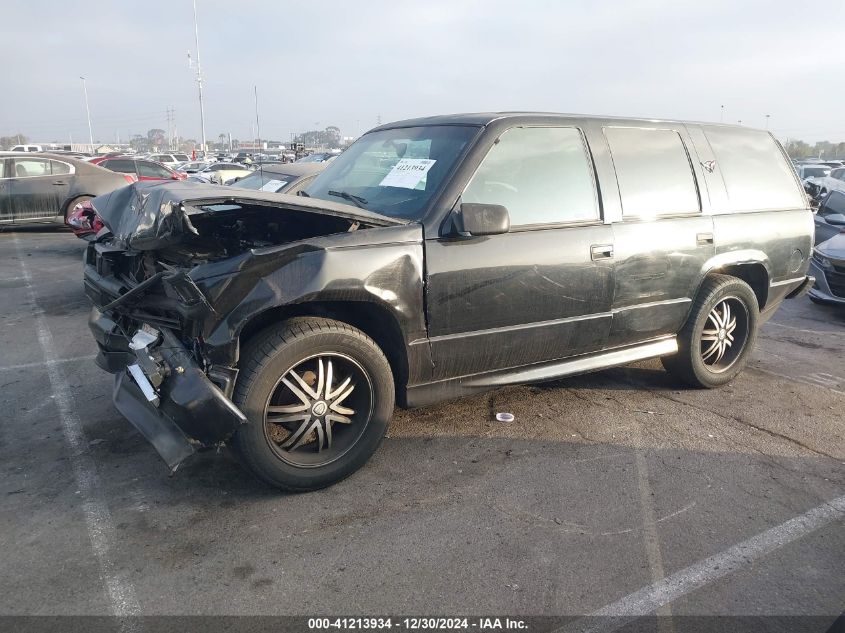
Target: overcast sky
346	63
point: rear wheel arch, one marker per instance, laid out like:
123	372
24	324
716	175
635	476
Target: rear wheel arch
753	269
754	274
372	319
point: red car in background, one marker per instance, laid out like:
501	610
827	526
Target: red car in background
140	168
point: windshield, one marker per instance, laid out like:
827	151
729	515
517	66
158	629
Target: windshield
394	172
815	172
266	181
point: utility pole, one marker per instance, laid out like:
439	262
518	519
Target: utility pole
171	127
199	74
88	112
257	121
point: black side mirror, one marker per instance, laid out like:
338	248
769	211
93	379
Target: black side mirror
482	219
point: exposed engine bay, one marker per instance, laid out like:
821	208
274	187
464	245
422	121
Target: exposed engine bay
226	230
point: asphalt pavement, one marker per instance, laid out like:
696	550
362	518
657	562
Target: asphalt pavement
602	486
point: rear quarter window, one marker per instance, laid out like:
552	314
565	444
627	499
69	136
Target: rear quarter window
756	173
122	166
653	171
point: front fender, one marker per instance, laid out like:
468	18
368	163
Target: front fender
388	274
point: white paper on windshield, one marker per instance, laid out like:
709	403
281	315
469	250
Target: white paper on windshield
407	173
273	185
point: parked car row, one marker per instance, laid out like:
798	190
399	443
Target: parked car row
142	169
39	187
828	262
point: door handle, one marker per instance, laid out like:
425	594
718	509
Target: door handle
59	182
704	238
601	251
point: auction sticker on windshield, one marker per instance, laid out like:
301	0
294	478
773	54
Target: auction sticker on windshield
273	185
407	173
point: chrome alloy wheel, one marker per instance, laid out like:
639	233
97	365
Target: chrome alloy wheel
318	410
724	335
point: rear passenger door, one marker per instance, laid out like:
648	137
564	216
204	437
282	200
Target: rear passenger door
541	291
33	194
662	241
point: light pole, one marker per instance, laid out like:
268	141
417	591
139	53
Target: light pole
88	112
767	121
721	114
199	74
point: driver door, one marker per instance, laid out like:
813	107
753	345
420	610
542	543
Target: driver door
541	291
5	209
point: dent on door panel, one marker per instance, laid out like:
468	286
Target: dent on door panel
658	265
515	299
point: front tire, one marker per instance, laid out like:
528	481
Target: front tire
715	342
318	395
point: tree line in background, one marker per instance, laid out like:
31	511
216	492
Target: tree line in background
156	140
823	149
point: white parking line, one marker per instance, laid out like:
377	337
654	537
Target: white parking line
803	380
44	363
798	329
101	530
650	598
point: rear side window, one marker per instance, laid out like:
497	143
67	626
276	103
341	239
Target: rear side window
653	171
834	203
122	166
757	175
60	169
541	175
29	167
151	170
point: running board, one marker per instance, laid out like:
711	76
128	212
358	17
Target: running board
579	365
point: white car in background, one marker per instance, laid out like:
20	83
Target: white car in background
171	160
811	170
221	173
833	181
192	167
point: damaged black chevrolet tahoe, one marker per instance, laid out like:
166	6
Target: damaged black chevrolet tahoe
436	258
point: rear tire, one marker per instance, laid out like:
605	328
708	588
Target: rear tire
318	395
716	340
73	204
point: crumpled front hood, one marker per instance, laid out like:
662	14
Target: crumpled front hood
149	216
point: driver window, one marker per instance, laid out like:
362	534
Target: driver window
541	174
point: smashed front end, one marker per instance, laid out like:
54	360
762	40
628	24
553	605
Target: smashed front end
173	264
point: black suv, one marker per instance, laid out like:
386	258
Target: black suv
435	258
